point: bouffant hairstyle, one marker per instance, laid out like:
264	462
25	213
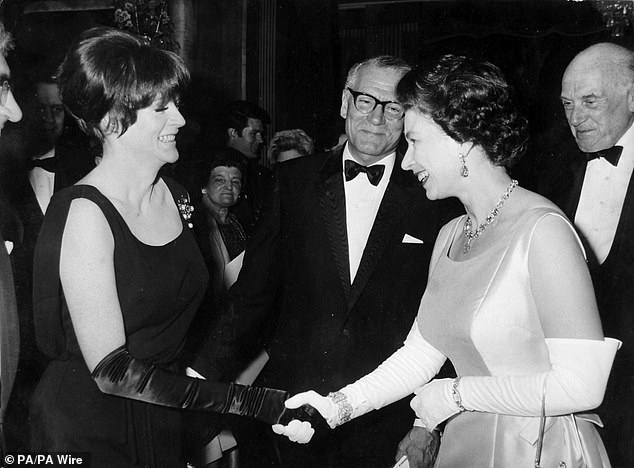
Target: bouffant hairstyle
225	157
111	73
286	140
472	102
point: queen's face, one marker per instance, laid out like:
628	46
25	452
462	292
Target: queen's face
224	186
431	155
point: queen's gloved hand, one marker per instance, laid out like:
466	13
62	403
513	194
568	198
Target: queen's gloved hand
435	402
306	420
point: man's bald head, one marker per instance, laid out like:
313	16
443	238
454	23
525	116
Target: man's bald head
598	95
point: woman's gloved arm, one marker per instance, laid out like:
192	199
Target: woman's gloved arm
122	375
415	363
576	382
412	365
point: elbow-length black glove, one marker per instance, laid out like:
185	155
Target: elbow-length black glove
122	375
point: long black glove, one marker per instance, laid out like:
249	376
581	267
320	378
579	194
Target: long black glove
122	375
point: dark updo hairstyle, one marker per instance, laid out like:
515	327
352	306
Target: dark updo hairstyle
224	157
472	102
111	72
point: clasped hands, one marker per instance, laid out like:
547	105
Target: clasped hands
299	424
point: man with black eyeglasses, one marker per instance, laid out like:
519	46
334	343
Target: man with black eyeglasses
347	246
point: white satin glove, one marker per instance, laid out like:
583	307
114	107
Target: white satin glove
411	366
399	375
296	431
302	431
576	382
434	403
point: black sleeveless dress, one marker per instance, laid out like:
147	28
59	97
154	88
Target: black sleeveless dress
159	289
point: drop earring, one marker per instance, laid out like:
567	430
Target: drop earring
464	170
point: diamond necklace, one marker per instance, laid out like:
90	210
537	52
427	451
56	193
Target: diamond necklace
468	225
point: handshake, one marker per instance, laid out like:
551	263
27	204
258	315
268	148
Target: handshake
305	413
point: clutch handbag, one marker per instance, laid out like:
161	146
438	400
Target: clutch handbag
567	446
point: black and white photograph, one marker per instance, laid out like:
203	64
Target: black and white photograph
317	233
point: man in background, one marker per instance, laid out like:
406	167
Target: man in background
594	188
245	126
38	168
346	245
10	236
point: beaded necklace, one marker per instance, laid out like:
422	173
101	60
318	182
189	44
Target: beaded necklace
468	225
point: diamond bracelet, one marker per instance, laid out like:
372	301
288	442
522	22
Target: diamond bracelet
344	409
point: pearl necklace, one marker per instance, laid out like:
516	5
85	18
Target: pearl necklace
468	225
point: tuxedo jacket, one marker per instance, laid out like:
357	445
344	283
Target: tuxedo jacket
613	283
329	331
23	200
613	280
9	328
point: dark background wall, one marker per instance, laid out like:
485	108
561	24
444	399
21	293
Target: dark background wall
291	56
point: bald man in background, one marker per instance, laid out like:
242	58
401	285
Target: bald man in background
594	188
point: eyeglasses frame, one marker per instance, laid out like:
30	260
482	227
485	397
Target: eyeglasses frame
377	102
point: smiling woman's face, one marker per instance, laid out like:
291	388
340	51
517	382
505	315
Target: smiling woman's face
431	155
224	186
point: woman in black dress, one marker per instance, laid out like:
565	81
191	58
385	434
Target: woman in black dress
118	275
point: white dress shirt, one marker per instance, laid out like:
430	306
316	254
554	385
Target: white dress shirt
602	196
362	204
43	182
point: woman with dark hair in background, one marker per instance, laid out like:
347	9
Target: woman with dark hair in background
222	240
509	299
220	235
118	276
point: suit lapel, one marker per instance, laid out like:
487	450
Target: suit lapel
331	197
387	218
624	226
58	182
566	187
24	197
9	330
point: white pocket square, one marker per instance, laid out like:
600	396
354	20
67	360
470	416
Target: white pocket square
407	239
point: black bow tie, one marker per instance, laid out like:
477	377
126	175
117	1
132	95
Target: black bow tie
48	164
611	155
374	173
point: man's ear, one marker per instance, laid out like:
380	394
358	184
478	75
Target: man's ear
343	112
232	133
